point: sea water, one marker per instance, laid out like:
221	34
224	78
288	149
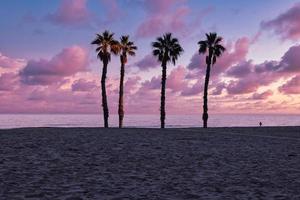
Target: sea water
148	121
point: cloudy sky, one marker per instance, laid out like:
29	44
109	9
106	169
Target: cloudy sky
47	64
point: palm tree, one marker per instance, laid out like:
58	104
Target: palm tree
215	49
105	46
166	49
126	48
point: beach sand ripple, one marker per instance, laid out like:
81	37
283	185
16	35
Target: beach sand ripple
93	163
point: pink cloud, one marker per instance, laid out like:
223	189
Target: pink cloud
132	84
287	24
291	60
267	66
63	101
83	85
52	89
219	88
241	70
292	86
55	99
8	81
262	96
65	98
68	62
289	63
37	95
146	63
114	12
176	80
242	87
167	16
137	103
233	55
154	83
150	27
71	12
197	62
196	89
178	22
112	85
251	82
7	62
250	77
158	6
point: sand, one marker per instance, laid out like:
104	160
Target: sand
93	163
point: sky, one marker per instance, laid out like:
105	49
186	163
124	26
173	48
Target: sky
47	64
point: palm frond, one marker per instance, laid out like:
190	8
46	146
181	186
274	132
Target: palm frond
218	40
202	47
157	44
131	53
220	47
105	45
96	41
126	46
133	48
167	48
211	44
213	37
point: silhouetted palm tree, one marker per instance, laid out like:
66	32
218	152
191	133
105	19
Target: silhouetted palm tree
126	48
215	49
105	46
166	49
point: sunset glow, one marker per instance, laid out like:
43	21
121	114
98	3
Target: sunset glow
47	64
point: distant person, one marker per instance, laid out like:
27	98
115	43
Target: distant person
260	124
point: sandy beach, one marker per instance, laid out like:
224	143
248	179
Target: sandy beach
94	163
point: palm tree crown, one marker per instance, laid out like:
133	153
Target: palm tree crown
127	47
167	48
106	44
212	43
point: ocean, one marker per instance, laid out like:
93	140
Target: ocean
147	121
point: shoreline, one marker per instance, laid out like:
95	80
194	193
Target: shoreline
150	128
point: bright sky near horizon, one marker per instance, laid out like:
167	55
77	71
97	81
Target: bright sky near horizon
47	64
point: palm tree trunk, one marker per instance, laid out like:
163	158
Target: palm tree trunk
104	97
163	95
205	98
121	91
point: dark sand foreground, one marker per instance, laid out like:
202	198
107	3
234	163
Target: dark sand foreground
91	163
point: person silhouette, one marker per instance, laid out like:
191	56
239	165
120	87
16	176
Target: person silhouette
260	124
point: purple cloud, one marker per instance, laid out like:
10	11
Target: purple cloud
167	16
83	85
71	13
286	25
233	55
7	62
262	96
197	88
241	70
68	62
154	83
292	86
146	63
8	81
